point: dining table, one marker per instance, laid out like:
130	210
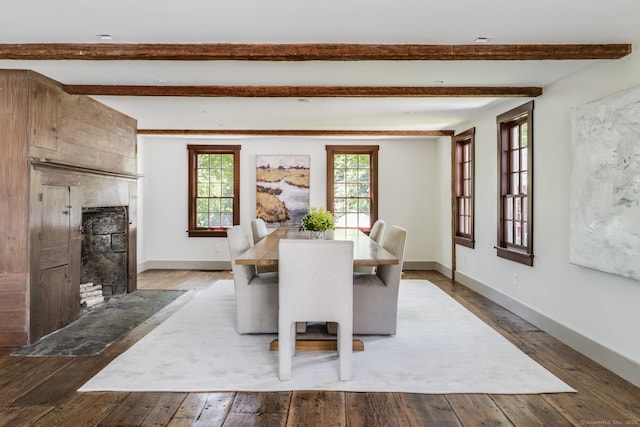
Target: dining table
366	252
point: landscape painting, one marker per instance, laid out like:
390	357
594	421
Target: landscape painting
282	189
605	185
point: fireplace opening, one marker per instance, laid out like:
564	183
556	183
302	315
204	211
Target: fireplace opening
104	249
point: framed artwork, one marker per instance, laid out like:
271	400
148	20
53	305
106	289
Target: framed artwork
282	189
605	185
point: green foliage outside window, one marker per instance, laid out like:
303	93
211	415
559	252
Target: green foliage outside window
214	202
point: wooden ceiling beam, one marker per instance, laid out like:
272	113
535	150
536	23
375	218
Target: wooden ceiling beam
310	52
306	91
293	132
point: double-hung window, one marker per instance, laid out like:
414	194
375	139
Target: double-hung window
464	152
352	185
214	189
515	190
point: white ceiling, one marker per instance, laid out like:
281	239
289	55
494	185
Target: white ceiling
298	21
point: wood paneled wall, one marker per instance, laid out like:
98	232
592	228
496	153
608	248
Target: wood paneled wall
38	120
14	207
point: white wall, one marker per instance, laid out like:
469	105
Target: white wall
408	188
595	312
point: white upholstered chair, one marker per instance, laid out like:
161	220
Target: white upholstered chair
316	285
375	296
256	294
376	234
259	229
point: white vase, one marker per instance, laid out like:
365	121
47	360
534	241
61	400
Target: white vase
317	235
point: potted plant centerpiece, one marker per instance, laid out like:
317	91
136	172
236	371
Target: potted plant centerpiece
318	220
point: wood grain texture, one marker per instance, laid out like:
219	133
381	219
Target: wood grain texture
296	132
309	52
307	91
39	120
14	204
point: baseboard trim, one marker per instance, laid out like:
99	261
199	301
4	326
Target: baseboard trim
419	265
610	359
184	265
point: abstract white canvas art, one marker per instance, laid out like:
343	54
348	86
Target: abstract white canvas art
605	185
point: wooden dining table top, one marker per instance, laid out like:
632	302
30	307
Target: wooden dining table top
366	252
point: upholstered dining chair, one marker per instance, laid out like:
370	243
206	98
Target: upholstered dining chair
259	229
316	285
375	296
376	233
256	294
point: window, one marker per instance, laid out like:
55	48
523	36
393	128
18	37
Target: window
352	185
214	189
464	152
515	160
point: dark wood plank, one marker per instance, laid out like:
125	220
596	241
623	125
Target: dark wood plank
203	409
257	420
429	410
133	410
587	408
317	408
84	409
375	409
164	409
274	402
27	373
22	416
310	52
477	409
63	383
259	409
527	410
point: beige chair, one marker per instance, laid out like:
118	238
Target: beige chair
316	285
375	296
376	234
256	294
259	229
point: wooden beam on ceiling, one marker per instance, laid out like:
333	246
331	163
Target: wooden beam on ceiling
294	132
307	91
310	52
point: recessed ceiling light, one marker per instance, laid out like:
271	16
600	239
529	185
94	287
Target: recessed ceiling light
104	37
162	80
482	40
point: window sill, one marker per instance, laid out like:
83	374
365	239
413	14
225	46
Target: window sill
516	256
208	233
462	241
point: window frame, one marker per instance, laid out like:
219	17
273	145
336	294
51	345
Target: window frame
460	141
193	152
372	151
505	123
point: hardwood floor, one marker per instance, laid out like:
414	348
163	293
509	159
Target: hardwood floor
42	391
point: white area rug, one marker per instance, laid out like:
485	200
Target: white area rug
440	347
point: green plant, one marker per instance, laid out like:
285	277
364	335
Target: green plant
317	219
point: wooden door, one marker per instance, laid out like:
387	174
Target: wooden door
56	300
